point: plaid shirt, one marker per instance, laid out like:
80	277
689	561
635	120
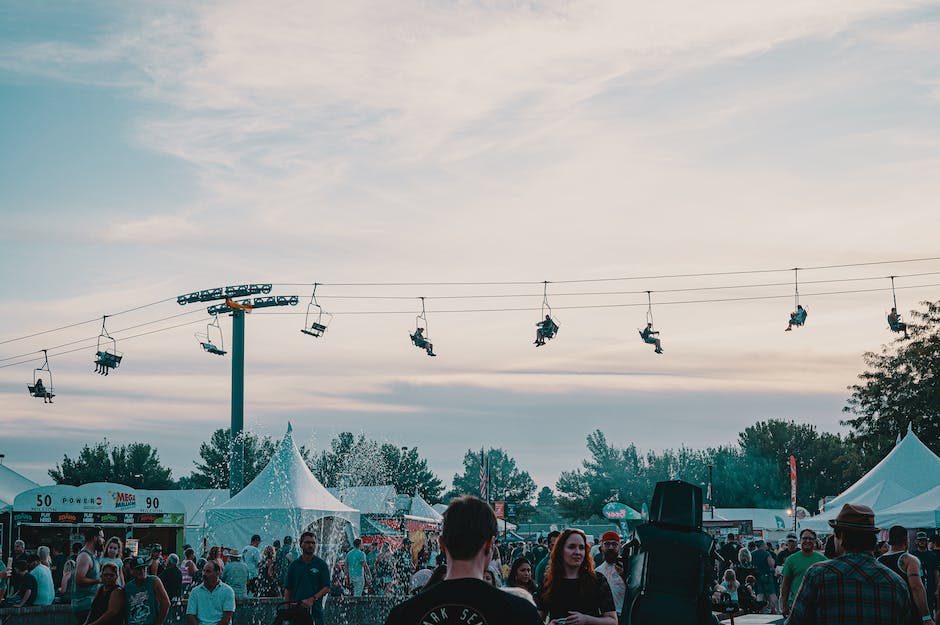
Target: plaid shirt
852	589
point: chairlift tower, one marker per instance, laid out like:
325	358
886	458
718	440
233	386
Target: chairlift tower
238	310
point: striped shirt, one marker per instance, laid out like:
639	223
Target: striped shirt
852	589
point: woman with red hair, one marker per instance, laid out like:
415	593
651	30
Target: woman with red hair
573	593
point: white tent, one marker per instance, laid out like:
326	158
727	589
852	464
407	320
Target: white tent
908	471
285	499
11	485
921	512
422	510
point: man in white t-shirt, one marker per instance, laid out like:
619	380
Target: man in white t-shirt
612	569
251	556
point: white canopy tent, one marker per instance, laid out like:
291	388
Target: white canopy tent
285	499
921	511
11	485
909	471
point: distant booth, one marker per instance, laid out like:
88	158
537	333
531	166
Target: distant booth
56	515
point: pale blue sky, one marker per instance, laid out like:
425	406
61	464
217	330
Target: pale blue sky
153	149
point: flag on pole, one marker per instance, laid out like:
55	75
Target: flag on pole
793	484
484	477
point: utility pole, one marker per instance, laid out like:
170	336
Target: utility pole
238	310
711	493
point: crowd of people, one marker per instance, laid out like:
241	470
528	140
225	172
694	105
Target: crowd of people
805	577
565	578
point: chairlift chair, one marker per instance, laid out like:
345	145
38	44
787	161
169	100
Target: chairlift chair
316	321
547	328
107	356
205	340
38	388
798	316
894	317
649	334
419	339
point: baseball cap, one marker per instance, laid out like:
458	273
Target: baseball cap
609	536
139	561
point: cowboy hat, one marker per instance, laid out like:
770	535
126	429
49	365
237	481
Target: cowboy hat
855	517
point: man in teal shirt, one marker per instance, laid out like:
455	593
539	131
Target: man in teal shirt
358	568
795	566
308	581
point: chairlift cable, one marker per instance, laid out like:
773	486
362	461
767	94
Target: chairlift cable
622	278
91	338
628	305
503	283
123	338
81	323
594	293
461	311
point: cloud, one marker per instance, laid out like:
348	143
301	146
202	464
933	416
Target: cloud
154	229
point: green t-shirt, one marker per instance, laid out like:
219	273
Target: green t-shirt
795	567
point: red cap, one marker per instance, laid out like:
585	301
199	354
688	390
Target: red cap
609	536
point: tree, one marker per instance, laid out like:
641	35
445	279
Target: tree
409	473
506	481
360	461
740	478
824	464
545	509
136	465
213	470
900	386
609	474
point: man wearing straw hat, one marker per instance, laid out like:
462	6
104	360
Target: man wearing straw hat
852	588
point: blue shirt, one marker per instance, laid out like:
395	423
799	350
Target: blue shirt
209	606
45	588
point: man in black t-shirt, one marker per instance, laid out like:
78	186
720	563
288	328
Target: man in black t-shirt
463	597
929	566
26	587
729	551
788	551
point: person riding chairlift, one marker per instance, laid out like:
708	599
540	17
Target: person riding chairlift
894	321
797	318
650	337
418	339
42	392
546	330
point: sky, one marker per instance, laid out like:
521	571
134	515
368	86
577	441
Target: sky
379	149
